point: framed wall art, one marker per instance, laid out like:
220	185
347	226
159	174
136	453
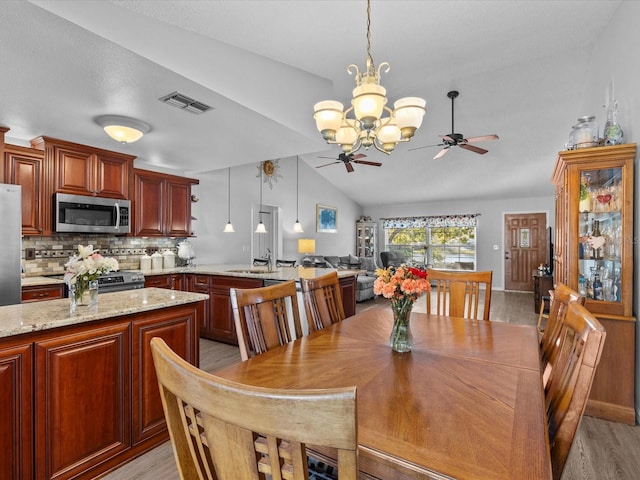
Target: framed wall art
326	219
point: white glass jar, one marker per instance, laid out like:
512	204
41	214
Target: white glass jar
168	259
585	132
145	262
156	261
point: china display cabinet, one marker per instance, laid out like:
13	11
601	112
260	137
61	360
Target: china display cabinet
366	239
594	255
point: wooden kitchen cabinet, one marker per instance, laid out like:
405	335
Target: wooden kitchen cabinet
218	323
16	421
42	292
25	167
594	255
541	286
83	170
82	391
172	281
175	328
162	204
348	290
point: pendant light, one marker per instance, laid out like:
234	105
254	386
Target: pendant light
297	227
228	228
260	228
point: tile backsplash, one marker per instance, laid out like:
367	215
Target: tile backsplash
52	252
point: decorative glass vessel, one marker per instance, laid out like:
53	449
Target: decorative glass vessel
401	339
83	293
585	133
612	133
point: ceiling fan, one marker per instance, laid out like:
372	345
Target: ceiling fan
348	158
457	139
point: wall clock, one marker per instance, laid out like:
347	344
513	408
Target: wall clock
269	171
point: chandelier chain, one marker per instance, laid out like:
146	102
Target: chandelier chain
369	28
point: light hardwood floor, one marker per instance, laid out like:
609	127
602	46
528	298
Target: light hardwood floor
602	450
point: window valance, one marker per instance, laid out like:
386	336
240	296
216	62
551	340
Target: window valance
466	220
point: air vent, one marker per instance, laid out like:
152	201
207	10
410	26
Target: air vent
179	100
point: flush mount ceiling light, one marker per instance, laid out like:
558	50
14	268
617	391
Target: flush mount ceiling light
367	126
123	129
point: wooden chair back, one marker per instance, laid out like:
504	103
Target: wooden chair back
458	294
223	430
265	316
562	296
581	342
322	301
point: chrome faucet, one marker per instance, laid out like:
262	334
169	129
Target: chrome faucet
269	260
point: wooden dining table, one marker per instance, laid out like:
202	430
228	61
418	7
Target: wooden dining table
466	403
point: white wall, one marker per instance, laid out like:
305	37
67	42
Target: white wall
490	230
214	246
616	55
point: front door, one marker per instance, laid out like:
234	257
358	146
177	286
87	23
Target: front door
524	248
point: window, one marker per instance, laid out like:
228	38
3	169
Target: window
444	242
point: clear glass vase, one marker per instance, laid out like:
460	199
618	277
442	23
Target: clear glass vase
84	293
401	339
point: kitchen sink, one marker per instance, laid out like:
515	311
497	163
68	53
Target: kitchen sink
248	270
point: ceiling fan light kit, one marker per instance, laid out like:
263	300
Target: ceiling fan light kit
367	127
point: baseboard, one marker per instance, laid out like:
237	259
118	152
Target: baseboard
610	411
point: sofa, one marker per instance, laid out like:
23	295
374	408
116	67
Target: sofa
364	281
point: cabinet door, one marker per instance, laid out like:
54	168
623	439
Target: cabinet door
82	398
112	176
16	421
178	209
24	166
348	291
148	207
74	171
174	326
222	327
158	281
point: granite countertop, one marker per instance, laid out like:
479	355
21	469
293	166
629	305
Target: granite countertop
277	273
39	281
35	316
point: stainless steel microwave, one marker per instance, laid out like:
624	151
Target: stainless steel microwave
79	213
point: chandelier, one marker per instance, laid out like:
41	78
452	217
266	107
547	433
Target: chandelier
363	123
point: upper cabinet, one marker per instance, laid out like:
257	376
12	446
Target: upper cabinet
82	170
162	204
594	226
24	166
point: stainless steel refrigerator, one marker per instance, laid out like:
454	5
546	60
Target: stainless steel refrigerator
11	238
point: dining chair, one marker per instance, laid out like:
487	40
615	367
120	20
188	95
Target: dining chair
581	342
260	262
223	430
562	296
458	294
265	317
285	263
322	301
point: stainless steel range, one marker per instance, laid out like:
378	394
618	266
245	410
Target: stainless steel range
119	281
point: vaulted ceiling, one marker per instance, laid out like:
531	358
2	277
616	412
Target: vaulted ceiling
519	67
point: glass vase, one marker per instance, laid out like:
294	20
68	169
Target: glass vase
401	339
85	294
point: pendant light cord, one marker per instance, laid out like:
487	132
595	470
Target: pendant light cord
229	190
297	187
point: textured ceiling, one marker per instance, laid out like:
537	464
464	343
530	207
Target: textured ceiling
519	67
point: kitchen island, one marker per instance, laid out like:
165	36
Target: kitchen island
79	389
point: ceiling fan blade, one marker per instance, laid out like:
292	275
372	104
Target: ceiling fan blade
473	148
327	164
482	138
366	162
356	157
441	153
425	146
349	167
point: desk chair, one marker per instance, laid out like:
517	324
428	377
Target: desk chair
562	296
322	301
458	293
223	430
264	317
581	342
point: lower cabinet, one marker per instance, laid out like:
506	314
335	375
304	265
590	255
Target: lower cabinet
173	281
348	290
44	292
16	421
81	400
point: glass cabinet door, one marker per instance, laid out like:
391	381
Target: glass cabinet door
600	231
